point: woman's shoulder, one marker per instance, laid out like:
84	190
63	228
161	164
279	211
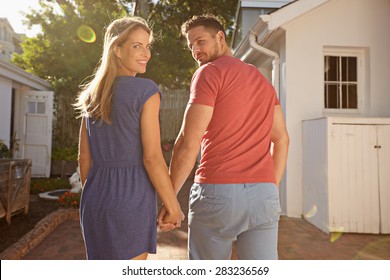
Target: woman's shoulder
138	89
135	81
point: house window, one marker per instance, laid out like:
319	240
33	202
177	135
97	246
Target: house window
341	82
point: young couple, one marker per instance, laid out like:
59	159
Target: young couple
233	116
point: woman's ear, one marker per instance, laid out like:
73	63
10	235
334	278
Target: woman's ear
117	52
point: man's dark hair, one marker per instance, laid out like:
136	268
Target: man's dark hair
209	21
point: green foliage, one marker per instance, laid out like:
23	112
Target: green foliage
172	64
59	54
4	151
67	153
61	57
39	185
66	60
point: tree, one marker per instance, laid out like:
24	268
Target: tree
69	47
66	53
171	64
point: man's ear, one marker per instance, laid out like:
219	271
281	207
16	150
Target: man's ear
221	37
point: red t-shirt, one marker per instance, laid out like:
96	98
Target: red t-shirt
235	147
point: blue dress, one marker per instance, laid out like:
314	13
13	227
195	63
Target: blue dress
118	208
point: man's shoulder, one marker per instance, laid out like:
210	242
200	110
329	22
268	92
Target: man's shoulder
206	69
219	64
226	61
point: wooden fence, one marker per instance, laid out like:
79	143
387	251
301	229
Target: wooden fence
172	109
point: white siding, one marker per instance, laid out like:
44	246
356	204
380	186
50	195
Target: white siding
5	109
315	179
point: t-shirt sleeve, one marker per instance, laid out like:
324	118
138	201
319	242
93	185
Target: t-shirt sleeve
271	90
151	88
205	86
277	102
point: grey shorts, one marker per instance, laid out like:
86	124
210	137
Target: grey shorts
220	214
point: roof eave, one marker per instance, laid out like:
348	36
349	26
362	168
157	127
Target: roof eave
265	25
290	12
19	75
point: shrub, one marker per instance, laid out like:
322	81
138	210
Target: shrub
67	153
39	185
70	200
4	151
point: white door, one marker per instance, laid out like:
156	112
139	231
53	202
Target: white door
383	148
37	130
354	205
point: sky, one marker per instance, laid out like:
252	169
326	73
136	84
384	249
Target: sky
11	10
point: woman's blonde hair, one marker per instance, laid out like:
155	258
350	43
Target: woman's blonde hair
95	96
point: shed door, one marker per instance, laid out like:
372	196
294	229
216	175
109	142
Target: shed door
360	178
354	182
383	149
37	130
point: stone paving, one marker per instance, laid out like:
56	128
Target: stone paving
58	237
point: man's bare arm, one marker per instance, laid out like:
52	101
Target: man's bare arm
281	140
185	151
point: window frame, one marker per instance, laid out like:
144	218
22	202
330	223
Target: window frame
346	52
35	102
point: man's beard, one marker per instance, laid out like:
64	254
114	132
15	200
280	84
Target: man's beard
214	55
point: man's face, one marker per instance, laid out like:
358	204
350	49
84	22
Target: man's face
204	44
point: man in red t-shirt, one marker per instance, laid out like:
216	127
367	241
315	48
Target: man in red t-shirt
233	116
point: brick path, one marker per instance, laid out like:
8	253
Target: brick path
298	240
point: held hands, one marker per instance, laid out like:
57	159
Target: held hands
168	220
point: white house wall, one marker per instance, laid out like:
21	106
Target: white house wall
279	45
5	109
379	57
348	23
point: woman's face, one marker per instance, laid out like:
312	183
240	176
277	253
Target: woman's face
134	53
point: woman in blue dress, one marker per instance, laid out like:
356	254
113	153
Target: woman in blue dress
120	157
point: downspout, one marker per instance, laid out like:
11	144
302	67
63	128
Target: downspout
275	62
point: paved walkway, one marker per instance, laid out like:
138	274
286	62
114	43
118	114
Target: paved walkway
298	240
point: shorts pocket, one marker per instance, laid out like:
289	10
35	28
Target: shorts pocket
204	199
194	196
266	206
273	208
